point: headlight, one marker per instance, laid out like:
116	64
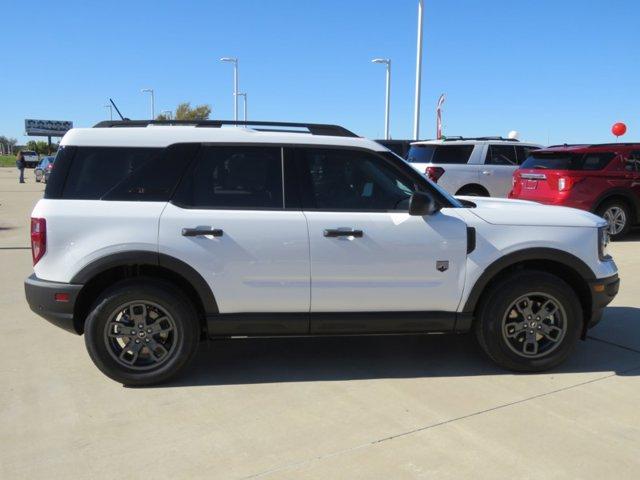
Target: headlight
603	243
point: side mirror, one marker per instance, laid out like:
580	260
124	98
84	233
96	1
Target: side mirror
422	203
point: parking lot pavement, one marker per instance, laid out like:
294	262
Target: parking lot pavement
356	407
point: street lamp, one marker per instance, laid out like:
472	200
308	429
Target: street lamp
416	106
110	110
244	98
387	62
153	101
235	84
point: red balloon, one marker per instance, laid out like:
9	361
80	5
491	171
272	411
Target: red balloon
619	129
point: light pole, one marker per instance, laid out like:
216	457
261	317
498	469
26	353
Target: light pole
235	84
416	106
244	98
110	111
153	101
387	62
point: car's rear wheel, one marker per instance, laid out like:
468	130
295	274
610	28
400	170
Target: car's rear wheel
529	321
142	332
618	215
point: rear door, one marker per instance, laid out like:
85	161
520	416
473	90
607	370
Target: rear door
367	253
230	221
497	172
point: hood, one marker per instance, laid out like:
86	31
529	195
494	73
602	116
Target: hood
504	211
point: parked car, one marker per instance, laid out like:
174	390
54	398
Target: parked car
603	179
43	169
31	158
481	166
151	238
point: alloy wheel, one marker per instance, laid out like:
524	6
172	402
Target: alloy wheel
140	335
616	218
534	325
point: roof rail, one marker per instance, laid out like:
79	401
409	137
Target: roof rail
313	128
451	138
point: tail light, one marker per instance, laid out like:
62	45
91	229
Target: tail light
567	183
38	238
434	173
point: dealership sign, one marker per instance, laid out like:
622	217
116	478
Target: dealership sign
47	128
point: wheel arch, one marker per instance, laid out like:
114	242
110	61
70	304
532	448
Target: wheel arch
566	266
473	186
105	271
619	193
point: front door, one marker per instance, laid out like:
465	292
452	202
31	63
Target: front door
367	253
229	221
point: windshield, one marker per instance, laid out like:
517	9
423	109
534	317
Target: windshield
440	154
568	161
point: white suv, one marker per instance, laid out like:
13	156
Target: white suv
480	166
152	236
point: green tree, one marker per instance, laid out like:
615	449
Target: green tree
41	147
185	112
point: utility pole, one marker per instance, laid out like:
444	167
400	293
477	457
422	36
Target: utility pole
416	106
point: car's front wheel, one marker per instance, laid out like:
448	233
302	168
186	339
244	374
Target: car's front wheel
529	321
142	332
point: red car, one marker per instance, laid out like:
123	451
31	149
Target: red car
603	179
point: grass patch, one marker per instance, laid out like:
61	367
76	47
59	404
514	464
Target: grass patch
7	161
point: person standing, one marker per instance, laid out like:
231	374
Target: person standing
21	164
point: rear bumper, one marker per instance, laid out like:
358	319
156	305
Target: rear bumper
41	298
603	291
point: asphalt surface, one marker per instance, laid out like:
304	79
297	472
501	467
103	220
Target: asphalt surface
357	407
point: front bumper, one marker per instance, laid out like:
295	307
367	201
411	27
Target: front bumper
603	291
41	296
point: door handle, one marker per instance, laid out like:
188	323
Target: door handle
201	231
336	232
486	172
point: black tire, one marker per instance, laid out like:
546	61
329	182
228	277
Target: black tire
492	322
616	205
473	192
179	345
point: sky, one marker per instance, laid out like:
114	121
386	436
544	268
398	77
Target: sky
555	71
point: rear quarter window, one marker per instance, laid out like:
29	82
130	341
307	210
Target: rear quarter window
118	173
446	154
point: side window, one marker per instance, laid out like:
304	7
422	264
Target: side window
501	155
452	154
97	170
233	177
522	153
353	180
596	161
632	162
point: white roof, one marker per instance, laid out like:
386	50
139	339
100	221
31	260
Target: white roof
162	136
472	142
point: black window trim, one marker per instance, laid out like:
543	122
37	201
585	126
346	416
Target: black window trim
279	146
286	149
406	170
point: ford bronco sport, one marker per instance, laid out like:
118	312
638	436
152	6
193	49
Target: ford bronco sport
154	235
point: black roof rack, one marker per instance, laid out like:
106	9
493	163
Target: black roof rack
454	138
313	128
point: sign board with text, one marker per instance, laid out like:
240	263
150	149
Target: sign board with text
46	128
